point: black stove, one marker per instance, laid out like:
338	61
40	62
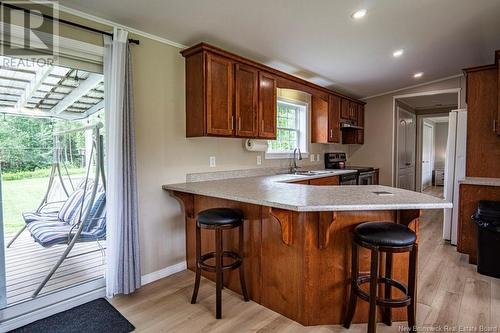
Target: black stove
363	176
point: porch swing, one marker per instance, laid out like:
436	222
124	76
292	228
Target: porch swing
81	217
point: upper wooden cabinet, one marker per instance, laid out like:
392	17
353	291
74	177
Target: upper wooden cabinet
497	62
360	121
246	100
267	106
231	96
345	110
219	74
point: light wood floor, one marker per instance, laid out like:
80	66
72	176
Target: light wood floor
450	293
27	263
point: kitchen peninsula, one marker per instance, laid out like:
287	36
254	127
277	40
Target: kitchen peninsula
297	241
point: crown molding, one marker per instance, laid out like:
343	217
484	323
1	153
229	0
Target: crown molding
113	24
413	86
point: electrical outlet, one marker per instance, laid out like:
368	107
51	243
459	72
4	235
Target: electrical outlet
312	157
259	160
212	161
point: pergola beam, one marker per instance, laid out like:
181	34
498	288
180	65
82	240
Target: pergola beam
33	85
90	82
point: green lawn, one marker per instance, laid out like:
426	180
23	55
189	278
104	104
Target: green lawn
21	196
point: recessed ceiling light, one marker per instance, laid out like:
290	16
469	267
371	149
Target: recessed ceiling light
358	14
417	75
398	53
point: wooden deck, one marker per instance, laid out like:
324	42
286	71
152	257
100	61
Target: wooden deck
27	263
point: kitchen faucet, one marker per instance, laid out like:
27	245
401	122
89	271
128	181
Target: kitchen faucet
294	167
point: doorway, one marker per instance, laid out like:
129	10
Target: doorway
421	125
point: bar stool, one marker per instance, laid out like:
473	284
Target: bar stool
387	237
219	219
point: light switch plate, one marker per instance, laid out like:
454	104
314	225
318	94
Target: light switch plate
259	160
312	157
317	157
212	161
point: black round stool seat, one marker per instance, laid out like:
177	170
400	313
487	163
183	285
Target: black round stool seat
220	217
387	234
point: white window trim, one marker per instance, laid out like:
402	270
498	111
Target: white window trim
305	145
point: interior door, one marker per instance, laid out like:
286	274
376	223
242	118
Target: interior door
406	131
427	154
246	95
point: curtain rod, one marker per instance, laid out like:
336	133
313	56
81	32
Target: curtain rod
55	19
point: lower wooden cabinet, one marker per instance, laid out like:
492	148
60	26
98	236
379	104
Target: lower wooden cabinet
470	195
331	180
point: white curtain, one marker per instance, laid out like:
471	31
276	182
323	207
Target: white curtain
123	266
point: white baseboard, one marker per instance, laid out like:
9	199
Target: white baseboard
164	272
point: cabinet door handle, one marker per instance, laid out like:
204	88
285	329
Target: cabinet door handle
494	125
262	126
239	123
232	123
331	133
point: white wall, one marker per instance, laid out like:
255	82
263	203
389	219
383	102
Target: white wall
440	140
379	128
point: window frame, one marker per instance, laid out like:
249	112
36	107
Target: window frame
302	129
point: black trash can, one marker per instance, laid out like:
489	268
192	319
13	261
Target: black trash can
487	218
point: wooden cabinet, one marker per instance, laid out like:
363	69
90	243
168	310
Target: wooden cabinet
267	106
334	105
353	112
325	119
246	100
345	109
332	180
360	121
230	96
355	135
496	124
483	143
322	181
470	195
220	120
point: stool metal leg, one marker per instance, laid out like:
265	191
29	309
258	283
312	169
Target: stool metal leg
198	268
372	316
242	270
412	279
387	315
218	273
353	298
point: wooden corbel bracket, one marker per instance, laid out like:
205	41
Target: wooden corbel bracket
187	202
284	217
325	223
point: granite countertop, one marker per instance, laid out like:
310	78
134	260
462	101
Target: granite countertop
276	191
480	181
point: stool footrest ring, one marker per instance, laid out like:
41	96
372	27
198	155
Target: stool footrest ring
392	302
226	254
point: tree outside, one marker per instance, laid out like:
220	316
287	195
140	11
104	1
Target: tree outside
26	153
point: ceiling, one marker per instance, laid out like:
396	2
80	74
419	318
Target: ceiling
431	101
319	41
40	90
